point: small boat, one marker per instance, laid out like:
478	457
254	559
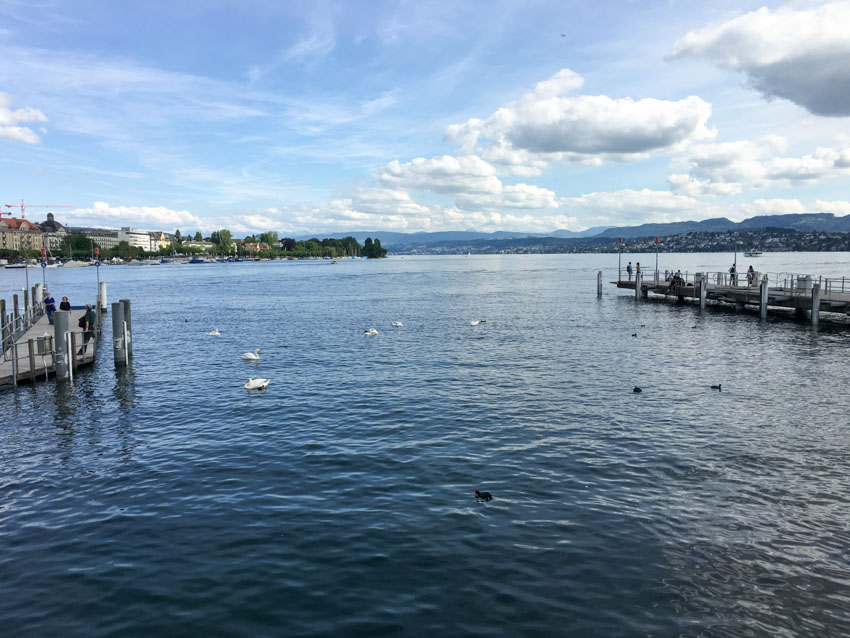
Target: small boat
15	266
197	260
753	252
256	384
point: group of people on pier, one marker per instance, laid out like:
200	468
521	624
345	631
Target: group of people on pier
87	321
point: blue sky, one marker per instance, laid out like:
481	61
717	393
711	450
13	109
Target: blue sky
410	116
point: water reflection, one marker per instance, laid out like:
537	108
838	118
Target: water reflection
124	388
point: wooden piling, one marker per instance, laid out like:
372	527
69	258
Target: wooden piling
3	323
16	317
763	298
815	304
31	348
26	300
599	284
637	286
128	319
73	336
118	352
703	291
61	362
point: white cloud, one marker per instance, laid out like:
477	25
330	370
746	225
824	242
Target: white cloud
836	208
446	174
797	54
101	214
9	120
629	206
730	167
574	129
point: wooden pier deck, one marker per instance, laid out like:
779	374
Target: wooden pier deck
801	293
33	365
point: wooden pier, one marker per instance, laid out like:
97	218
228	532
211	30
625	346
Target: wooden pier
784	290
29	352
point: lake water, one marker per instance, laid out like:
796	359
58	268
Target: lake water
166	500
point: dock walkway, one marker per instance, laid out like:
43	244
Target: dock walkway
783	290
29	355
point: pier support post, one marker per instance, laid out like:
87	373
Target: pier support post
101	297
599	284
637	286
38	295
815	304
26	300
128	319
61	362
763	298
15	317
118	351
703	292
3	323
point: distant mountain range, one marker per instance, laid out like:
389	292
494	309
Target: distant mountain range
807	222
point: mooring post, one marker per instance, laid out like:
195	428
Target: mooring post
129	322
118	353
61	360
31	352
3	323
101	297
599	284
763	298
26	300
703	292
637	286
15	317
38	295
815	303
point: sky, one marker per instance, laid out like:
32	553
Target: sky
320	117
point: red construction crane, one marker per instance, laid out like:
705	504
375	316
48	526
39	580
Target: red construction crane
24	207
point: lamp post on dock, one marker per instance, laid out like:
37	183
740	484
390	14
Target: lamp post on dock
619	257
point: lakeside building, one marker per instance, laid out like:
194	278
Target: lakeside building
204	245
102	237
53	233
19	234
135	237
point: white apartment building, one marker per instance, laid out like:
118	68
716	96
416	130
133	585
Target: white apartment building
135	237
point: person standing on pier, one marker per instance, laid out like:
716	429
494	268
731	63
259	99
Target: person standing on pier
65	304
751	276
49	306
732	274
89	318
637	269
629	270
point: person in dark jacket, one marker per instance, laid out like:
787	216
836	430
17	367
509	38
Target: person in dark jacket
89	318
65	305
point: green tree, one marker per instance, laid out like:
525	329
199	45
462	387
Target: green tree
178	236
225	240
270	237
198	236
288	243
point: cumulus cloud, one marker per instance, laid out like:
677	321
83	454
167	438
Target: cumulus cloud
10	118
101	214
836	208
730	167
797	54
545	121
629	206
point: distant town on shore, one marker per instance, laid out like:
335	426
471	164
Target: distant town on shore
21	238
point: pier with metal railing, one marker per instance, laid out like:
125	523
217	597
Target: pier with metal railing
803	293
33	349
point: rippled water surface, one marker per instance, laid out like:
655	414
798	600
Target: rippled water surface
165	500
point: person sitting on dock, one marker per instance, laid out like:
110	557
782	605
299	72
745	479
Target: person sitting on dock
629	270
89	318
49	306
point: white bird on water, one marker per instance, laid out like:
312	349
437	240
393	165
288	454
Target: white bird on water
256	384
397	324
214	333
475	322
371	332
252	356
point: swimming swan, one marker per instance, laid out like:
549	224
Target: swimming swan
475	322
256	384
252	356
214	333
397	324
371	332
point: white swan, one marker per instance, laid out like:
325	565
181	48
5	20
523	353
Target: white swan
371	332
397	324
214	333
252	356
475	322
256	384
